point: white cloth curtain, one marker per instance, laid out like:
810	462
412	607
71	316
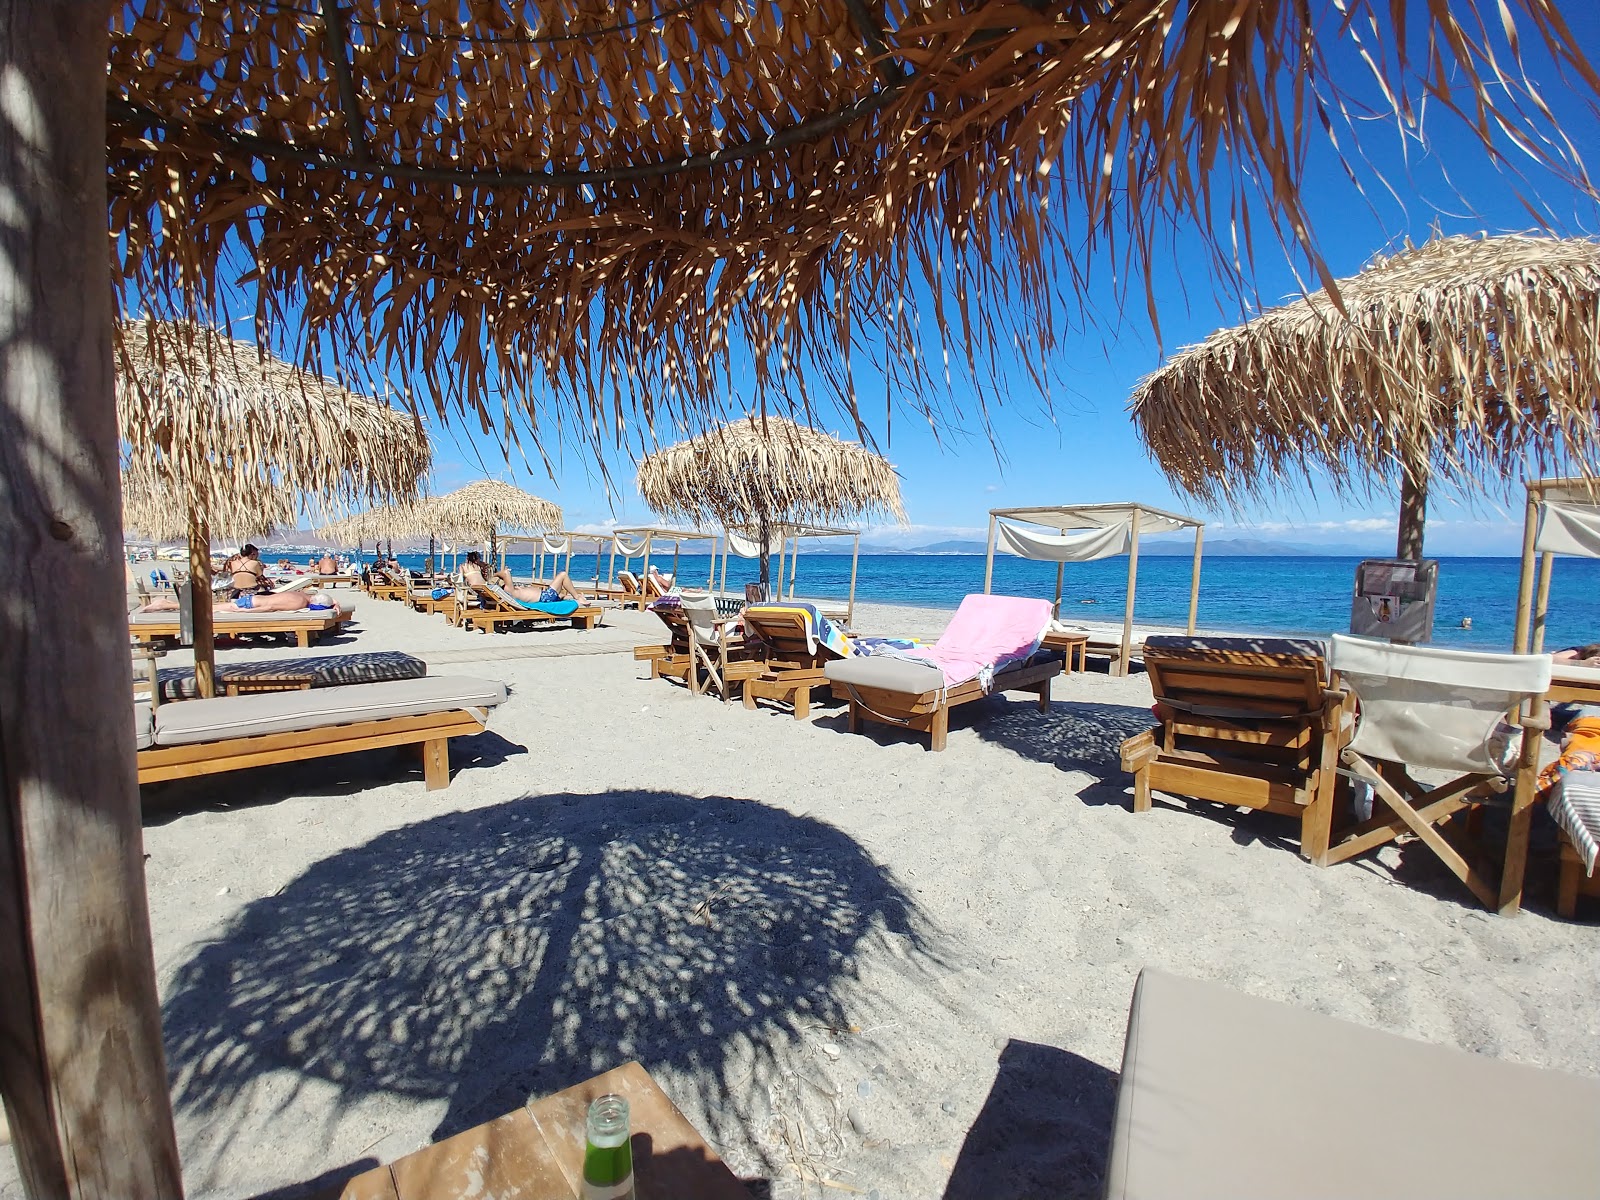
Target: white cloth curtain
1084	546
1567	528
555	545
743	547
621	545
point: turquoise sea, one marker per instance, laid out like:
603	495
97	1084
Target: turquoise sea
1305	595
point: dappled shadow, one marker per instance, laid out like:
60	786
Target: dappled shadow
487	956
1044	1130
334	775
1072	736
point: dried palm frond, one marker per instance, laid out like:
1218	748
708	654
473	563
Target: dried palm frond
759	471
486	508
609	199
215	422
153	510
385	523
1468	362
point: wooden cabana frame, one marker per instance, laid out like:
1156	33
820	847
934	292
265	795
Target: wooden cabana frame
794	532
663	533
1141	518
1533	585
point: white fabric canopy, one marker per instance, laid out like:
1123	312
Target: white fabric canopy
621	545
1567	528
1098	516
743	547
1085	546
555	545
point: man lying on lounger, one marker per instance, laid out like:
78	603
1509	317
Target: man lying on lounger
560	588
1579	656
272	602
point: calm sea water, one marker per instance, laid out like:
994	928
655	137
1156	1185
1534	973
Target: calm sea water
1267	595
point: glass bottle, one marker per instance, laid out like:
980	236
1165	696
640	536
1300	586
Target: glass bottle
608	1156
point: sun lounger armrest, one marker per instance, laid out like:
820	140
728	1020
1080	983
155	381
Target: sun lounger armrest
1139	750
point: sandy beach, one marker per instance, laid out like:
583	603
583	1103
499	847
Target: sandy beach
859	968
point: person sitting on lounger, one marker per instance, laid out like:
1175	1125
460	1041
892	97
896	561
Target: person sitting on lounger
560	588
327	566
1579	656
248	575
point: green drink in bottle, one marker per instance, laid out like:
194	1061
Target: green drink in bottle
608	1157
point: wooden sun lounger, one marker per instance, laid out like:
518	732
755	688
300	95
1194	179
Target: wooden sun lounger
1245	722
927	710
449	707
306	626
387	591
493	613
790	670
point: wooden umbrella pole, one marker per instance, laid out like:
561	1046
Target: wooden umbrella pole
200	609
1541	601
988	559
855	558
1123	663
1530	530
1194	578
1413	513
81	1065
764	530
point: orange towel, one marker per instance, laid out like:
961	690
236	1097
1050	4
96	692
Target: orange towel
1580	751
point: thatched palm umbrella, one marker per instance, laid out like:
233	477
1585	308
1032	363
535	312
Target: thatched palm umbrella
485	508
1466	361
765	471
406	519
217	426
152	510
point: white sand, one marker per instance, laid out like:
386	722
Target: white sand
860	968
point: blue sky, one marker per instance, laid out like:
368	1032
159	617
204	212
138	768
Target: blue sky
1083	448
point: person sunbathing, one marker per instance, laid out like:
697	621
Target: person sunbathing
1579	656
271	602
560	587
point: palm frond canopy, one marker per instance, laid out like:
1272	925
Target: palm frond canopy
1467	362
152	510
767	470
614	198
486	508
214	422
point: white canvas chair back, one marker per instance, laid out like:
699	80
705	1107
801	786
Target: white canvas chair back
1444	709
702	613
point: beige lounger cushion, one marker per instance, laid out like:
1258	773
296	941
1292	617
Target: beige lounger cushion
285	712
890	674
144	734
1228	1096
244	617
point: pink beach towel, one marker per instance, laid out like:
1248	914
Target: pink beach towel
987	633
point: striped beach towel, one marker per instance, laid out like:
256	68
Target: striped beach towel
818	628
1575	805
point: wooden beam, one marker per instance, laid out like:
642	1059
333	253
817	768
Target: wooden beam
1123	663
1194	578
81	1064
334	45
1530	528
201	612
988	559
1413	515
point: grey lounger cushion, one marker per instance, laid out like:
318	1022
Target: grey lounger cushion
144	733
244	617
375	666
890	674
1228	1096
286	712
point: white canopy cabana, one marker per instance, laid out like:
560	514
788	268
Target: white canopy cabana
641	539
743	545
1563	517
1083	533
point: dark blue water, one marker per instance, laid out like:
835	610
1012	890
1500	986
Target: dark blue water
1267	595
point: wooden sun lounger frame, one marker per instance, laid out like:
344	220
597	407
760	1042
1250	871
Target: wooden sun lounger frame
425	603
431	731
387	591
1236	760
493	614
929	712
790	671
684	659
306	630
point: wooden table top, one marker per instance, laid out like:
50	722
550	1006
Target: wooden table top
536	1153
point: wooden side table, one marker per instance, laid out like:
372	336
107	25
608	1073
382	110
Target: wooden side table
1075	645
536	1153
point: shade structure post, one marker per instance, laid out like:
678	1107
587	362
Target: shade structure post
427	567
764	532
1194	578
1413	513
1541	603
200	608
988	560
794	565
1061	574
724	588
81	1065
711	575
644	571
1133	584
855	558
677	548
611	579
1530	531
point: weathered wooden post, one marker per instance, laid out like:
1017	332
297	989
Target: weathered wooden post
81	1062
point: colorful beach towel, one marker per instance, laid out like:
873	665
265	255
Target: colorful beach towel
987	634
1575	805
818	628
556	608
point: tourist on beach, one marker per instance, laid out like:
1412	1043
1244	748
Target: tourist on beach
560	587
248	602
248	576
1580	656
327	566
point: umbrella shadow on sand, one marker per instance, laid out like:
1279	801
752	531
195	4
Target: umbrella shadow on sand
487	956
1072	736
